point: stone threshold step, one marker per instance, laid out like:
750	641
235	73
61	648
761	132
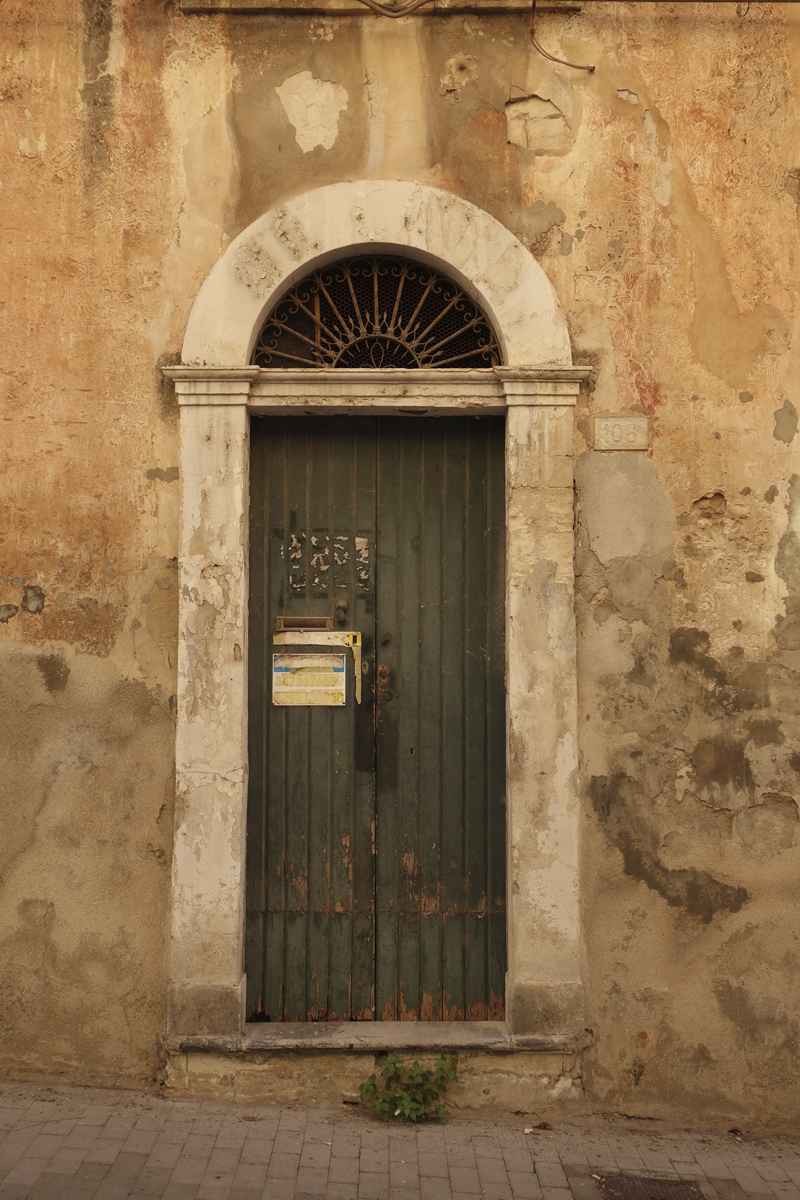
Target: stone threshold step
370	1037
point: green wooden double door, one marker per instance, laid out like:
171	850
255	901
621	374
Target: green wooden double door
376	832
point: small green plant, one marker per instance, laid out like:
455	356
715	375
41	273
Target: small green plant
408	1093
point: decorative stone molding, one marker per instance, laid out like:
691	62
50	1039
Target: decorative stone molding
206	980
537	390
331	222
342	8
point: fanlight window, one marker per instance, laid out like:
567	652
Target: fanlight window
377	312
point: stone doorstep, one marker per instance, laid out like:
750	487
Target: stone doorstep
369	1038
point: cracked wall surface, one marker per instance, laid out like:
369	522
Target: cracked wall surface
660	194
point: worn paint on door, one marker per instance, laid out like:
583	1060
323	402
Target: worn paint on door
376	830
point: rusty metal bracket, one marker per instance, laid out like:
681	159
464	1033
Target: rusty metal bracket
313	637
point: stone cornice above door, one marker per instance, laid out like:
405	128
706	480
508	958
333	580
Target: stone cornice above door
443	391
343	8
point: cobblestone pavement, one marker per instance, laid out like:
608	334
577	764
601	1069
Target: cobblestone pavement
63	1143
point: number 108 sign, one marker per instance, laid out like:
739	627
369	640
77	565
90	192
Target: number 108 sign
621	433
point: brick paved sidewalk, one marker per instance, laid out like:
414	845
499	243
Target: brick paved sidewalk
61	1143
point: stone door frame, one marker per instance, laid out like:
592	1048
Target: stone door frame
217	392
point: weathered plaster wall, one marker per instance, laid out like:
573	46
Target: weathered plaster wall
660	193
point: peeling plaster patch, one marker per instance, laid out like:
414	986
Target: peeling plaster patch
254	268
7	611
785	423
724	778
459	71
321	30
538	217
770	825
792	185
626	510
32	600
757	1019
624	818
787	568
661	186
629	97
745	397
291	234
54	670
538	125
313	107
165	474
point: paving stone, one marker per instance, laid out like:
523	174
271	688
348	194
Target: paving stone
583	1187
551	1175
465	1181
279	1189
189	1172
215	1187
749	1179
437	1189
180	1191
342	1191
373	1186
283	1166
343	1170
26	1171
525	1185
491	1170
315	1156
312	1180
432	1163
403	1175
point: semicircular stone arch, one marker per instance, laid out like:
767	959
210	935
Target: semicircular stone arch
319	227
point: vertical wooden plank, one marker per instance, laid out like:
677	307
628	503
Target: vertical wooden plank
362	838
405	685
477	533
454	686
296	791
256	866
341	811
431	667
326	730
496	718
276	588
388	633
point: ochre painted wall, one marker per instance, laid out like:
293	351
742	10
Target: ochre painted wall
660	193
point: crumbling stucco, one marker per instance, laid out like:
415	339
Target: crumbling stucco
659	194
313	107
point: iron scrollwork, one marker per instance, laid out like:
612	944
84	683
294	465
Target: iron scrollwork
377	311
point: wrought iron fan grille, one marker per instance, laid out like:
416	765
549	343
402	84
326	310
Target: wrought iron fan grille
376	312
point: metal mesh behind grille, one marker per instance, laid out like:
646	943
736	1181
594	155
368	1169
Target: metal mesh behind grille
376	312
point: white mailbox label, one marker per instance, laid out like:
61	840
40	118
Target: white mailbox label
308	679
621	433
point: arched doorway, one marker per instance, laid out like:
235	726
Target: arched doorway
220	390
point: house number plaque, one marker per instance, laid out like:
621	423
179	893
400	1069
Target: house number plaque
629	432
